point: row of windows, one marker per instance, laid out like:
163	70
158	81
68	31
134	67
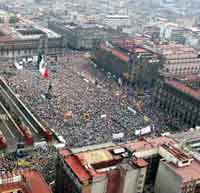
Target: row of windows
183	70
180	60
188	189
17	191
6	52
27	51
139	183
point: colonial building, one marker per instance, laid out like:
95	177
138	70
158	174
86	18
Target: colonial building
25	39
129	59
179	59
100	169
84	36
180	98
175	179
110	168
23	181
116	21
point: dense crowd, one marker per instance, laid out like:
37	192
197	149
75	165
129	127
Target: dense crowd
84	105
40	159
98	105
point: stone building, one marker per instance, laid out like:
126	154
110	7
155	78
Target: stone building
26	40
180	98
129	60
110	168
84	36
179	59
105	168
175	179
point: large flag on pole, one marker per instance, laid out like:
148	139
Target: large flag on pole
41	64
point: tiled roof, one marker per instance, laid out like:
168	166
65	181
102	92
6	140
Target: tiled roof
185	89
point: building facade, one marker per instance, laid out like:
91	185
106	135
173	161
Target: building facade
177	172
179	59
116	21
174	179
84	36
180	100
129	61
26	40
23	181
110	168
106	169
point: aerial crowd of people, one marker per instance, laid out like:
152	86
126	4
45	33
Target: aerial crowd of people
83	108
84	105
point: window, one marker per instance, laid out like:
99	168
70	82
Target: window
141	175
139	189
140	181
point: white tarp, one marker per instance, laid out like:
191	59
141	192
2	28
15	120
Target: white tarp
59	145
120	82
118	135
30	59
103	116
19	65
61	139
132	110
143	131
165	134
119	151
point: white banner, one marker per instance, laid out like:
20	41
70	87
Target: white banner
118	135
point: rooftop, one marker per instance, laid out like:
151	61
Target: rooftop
188	173
24	32
177	153
146	144
96	161
115	52
184	88
140	163
27	181
121	47
89	164
82	25
117	16
186	136
176	51
189	77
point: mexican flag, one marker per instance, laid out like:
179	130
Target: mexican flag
41	64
